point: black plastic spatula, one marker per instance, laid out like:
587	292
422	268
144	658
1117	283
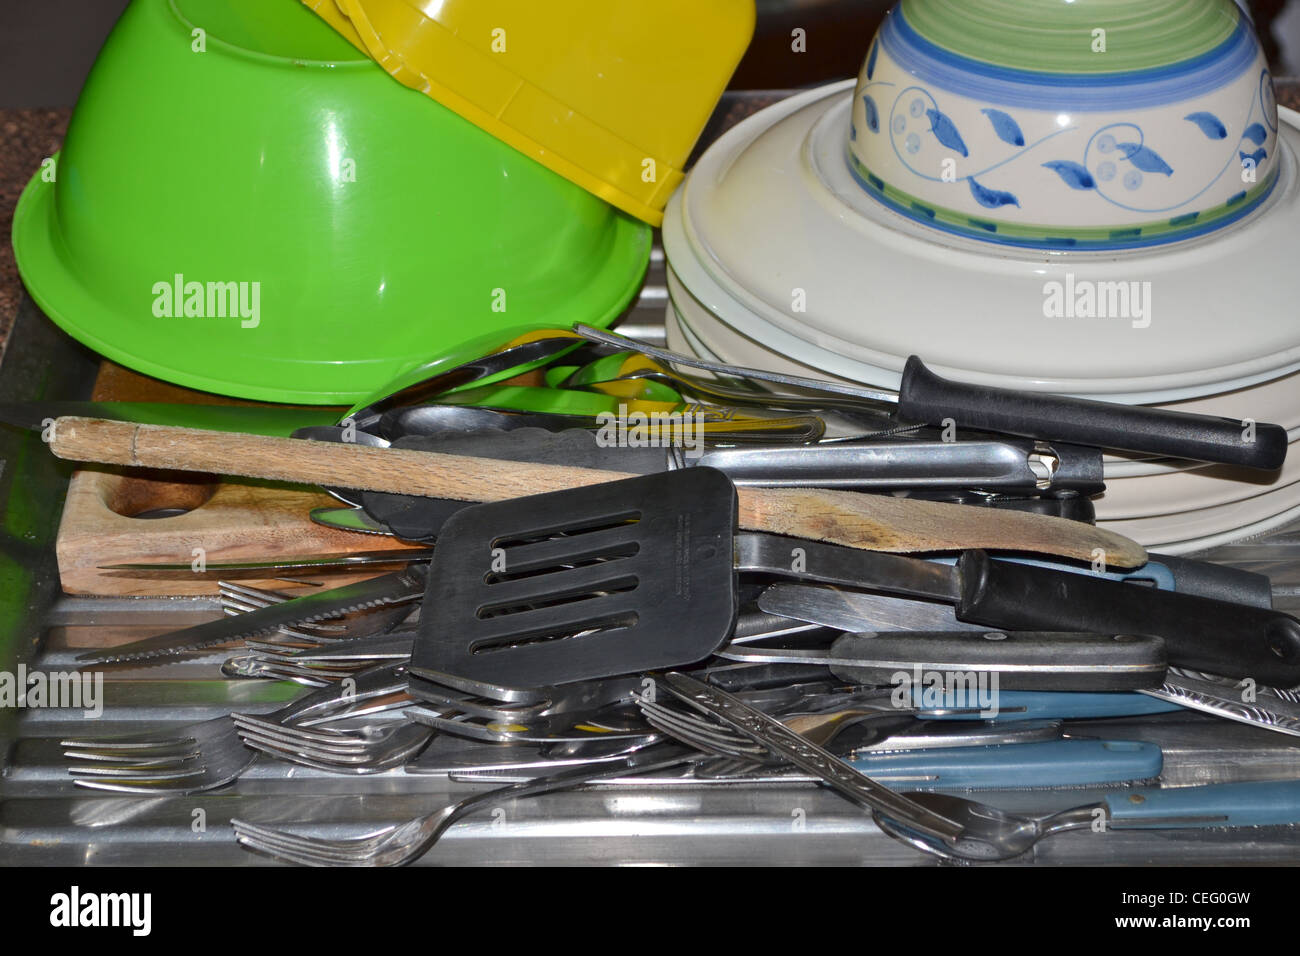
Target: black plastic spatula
640	574
610	579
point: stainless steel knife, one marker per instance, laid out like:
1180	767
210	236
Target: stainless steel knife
448	756
374	592
858	611
349	519
848	610
921	735
1006	465
1021	660
290	562
1269	708
1200	633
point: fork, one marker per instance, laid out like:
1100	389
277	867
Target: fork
369	749
283	668
353	754
769	734
198	757
317	665
205	755
818	728
399	844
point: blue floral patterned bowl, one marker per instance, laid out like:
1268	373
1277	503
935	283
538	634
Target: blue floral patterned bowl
1066	124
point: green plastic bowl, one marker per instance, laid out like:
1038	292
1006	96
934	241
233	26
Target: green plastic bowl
330	226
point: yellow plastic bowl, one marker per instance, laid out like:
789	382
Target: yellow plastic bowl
612	96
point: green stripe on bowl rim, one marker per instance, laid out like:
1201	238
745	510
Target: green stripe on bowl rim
1049	36
1032	235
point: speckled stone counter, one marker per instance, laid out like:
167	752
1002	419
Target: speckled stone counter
26	138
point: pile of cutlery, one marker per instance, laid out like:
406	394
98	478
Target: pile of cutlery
827	591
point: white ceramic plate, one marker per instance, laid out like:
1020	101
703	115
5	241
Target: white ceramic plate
1227	522
1159	495
1269	525
1146	467
1221	523
680	339
973	310
1218	524
1277	401
701	333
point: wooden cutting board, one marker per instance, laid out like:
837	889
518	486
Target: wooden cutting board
106	518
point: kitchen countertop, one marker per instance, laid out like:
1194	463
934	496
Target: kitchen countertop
28	136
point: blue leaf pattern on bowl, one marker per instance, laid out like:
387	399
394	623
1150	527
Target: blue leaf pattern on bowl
1074	175
1103	175
871	59
1008	130
1256	133
945	132
873	114
1210	125
991	198
1145	158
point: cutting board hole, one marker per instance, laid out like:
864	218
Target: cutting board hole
159	494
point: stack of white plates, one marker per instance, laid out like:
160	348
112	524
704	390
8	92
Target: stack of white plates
778	260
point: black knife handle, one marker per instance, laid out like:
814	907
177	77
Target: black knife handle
1071	507
1023	660
746	676
926	397
1217	581
1233	640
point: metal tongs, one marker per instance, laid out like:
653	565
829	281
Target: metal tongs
925	397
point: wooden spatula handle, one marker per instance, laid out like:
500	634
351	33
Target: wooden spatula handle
303	461
887	523
874	522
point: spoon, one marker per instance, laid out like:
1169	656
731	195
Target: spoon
987	833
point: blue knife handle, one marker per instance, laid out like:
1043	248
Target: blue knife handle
1054	705
1170	573
1215	805
1052	763
1153	571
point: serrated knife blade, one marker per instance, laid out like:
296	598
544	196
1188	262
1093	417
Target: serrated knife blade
347	560
385	589
1266	707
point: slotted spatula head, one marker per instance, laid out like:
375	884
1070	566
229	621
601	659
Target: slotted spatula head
574	585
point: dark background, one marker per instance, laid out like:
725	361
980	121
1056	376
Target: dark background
47	46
